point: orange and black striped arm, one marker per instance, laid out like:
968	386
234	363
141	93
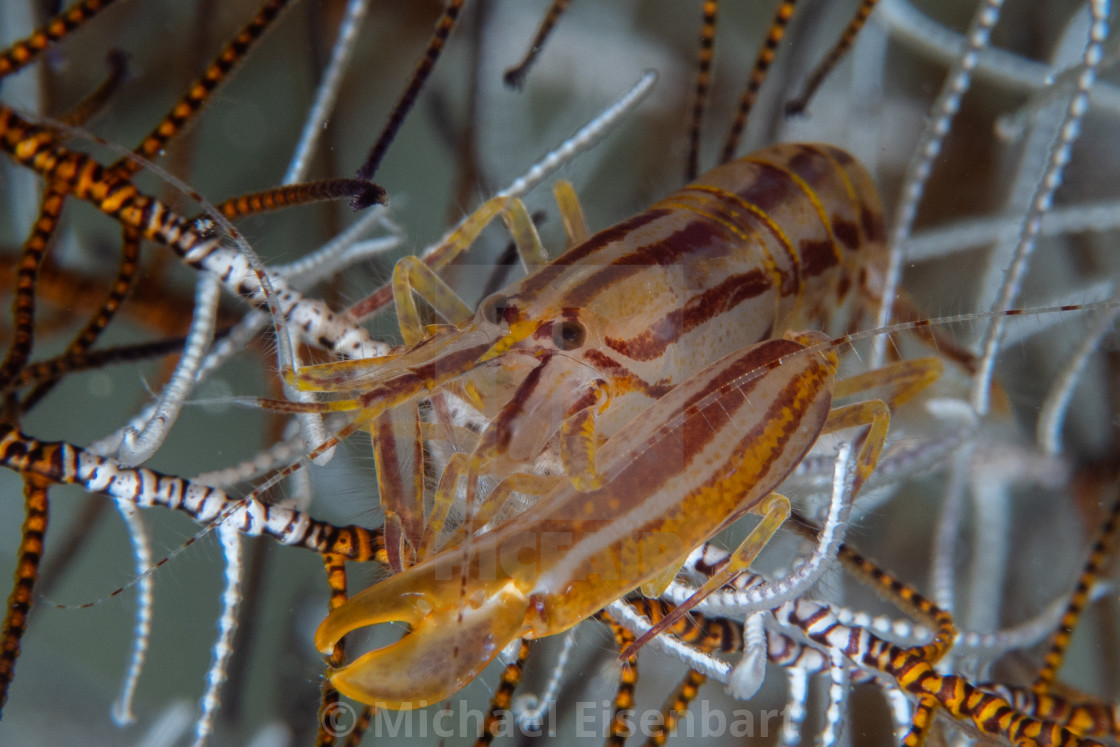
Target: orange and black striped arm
64	463
675	707
502	701
711	634
34	249
335	566
812	83
32	535
1097	557
53	368
49	211
159	309
619	728
26	50
362	193
27	276
990	713
907	597
126	278
765	58
715	634
901	593
1081	714
201	89
85	178
725	635
514	77
708	634
423	69
329	708
702	87
361	725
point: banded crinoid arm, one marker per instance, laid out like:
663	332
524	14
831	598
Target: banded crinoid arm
1080	713
990	713
110	189
25	50
899	530
85	178
64	463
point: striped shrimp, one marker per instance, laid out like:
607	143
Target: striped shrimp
456	396
579	347
654	325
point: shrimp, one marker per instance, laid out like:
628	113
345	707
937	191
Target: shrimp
565	357
603	350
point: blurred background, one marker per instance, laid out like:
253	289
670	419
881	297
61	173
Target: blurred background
1029	519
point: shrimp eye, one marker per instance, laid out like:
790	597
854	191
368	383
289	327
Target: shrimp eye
568	335
495	309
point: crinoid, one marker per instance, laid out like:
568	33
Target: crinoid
998	194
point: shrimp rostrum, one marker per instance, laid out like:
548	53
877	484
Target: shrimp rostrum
646	388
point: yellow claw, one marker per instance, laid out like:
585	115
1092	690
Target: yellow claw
452	637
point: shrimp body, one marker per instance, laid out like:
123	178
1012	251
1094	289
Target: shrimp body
565	357
634	355
703	455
